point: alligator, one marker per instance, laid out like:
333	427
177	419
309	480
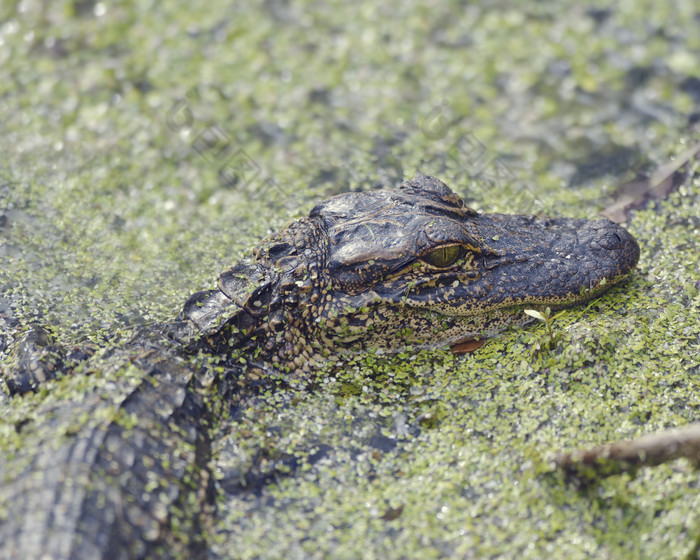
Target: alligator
106	452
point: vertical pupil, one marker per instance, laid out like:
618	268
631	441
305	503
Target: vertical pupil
444	256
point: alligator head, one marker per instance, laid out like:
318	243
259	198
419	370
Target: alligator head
412	266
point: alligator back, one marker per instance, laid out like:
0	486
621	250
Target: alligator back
109	471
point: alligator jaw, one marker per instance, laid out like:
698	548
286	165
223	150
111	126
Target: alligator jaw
556	263
540	263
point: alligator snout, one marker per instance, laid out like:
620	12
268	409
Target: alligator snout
622	247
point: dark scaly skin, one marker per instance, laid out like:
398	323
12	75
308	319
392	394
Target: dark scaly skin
123	471
80	479
353	275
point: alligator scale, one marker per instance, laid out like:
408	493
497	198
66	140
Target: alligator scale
121	466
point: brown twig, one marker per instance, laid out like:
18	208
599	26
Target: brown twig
628	456
636	194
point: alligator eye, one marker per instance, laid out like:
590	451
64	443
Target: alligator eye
444	256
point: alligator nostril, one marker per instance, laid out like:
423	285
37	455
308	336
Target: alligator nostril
609	240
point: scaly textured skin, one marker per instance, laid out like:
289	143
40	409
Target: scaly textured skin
353	275
121	470
107	472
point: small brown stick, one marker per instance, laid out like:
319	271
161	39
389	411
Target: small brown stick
630	455
637	193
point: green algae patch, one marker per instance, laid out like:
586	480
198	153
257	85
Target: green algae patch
146	147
